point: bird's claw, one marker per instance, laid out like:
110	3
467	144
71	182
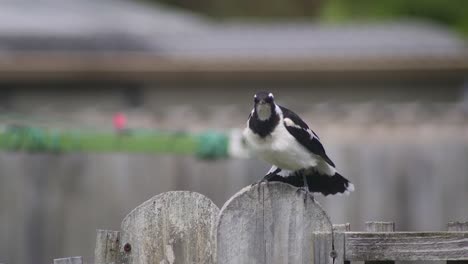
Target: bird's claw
264	179
259	184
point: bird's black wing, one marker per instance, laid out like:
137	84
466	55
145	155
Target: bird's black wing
304	135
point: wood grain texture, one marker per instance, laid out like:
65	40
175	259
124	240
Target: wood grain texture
406	246
457	226
107	247
70	260
173	227
339	242
273	223
375	226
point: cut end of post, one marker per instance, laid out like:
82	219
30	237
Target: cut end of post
376	226
457	226
342	227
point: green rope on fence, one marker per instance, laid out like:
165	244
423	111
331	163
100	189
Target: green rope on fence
210	145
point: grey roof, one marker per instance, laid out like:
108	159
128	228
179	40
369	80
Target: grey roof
302	40
145	33
126	25
87	24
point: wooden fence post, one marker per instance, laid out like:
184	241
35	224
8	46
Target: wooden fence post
173	227
339	242
70	260
380	227
107	247
273	223
457	226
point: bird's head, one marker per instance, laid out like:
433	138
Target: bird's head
264	105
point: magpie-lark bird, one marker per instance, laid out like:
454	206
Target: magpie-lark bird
282	138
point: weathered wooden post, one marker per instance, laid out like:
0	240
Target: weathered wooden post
173	227
339	242
107	247
457	226
273	223
380	227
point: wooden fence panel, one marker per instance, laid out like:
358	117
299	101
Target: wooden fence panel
107	247
273	223
380	227
406	246
173	227
339	242
454	227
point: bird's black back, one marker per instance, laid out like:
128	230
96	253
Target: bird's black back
303	135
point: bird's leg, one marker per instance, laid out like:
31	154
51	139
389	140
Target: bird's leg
302	188
305	188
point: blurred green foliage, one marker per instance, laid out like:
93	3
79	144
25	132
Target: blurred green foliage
452	13
208	145
249	8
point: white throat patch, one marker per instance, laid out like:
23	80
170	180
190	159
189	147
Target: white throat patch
263	111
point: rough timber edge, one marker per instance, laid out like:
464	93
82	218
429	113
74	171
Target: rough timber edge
246	189
160	196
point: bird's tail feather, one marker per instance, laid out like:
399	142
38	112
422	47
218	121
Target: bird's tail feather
329	184
336	184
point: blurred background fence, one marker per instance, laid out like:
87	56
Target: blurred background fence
387	95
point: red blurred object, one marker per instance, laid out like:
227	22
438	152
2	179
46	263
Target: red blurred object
120	121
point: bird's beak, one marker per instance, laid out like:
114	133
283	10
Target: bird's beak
262	102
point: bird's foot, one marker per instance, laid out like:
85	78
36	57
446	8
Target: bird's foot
258	183
264	179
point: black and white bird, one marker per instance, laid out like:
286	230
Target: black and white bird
282	138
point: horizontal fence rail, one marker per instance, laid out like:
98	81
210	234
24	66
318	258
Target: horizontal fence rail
406	246
266	223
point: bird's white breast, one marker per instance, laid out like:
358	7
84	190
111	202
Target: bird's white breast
281	149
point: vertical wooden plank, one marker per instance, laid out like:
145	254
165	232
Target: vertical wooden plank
70	260
273	223
380	227
322	247
107	247
457	226
339	242
173	227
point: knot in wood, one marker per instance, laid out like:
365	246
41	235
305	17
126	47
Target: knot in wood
127	247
